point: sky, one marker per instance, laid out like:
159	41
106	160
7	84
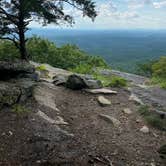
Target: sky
121	14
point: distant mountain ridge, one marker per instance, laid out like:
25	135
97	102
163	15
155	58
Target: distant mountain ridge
120	48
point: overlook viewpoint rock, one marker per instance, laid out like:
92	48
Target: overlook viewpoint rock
46	123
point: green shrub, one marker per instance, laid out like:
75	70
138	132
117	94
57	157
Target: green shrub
8	51
156	70
117	82
110	81
83	69
45	51
159	68
159	80
145	69
66	57
104	79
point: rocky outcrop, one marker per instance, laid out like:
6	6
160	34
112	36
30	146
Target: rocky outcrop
17	80
16	69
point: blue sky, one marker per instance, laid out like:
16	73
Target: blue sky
122	14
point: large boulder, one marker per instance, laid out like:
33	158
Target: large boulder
9	69
77	82
17	80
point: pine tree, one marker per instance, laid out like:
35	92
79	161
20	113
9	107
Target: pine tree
16	15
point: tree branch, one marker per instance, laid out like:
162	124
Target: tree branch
11	39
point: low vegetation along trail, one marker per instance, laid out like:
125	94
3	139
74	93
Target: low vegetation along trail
70	128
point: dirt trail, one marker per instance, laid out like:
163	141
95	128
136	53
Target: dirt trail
84	140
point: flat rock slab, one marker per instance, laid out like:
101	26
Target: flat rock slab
59	121
103	101
44	97
101	91
52	71
110	119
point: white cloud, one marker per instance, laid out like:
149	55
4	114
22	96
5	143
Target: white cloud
159	4
136	4
111	11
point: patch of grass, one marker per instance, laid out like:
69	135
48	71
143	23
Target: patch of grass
152	118
156	121
144	110
20	110
118	82
41	68
111	81
104	79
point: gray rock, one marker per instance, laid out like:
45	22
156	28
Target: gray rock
27	86
110	119
144	129
9	94
44	97
60	80
75	82
127	111
16	90
78	82
10	70
93	84
59	121
103	101
101	91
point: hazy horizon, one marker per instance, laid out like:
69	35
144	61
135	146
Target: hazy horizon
120	48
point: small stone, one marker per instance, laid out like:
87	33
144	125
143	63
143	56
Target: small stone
10	133
127	111
144	129
110	119
103	101
138	120
101	91
153	164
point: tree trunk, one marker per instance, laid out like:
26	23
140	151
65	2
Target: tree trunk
21	29
22	44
